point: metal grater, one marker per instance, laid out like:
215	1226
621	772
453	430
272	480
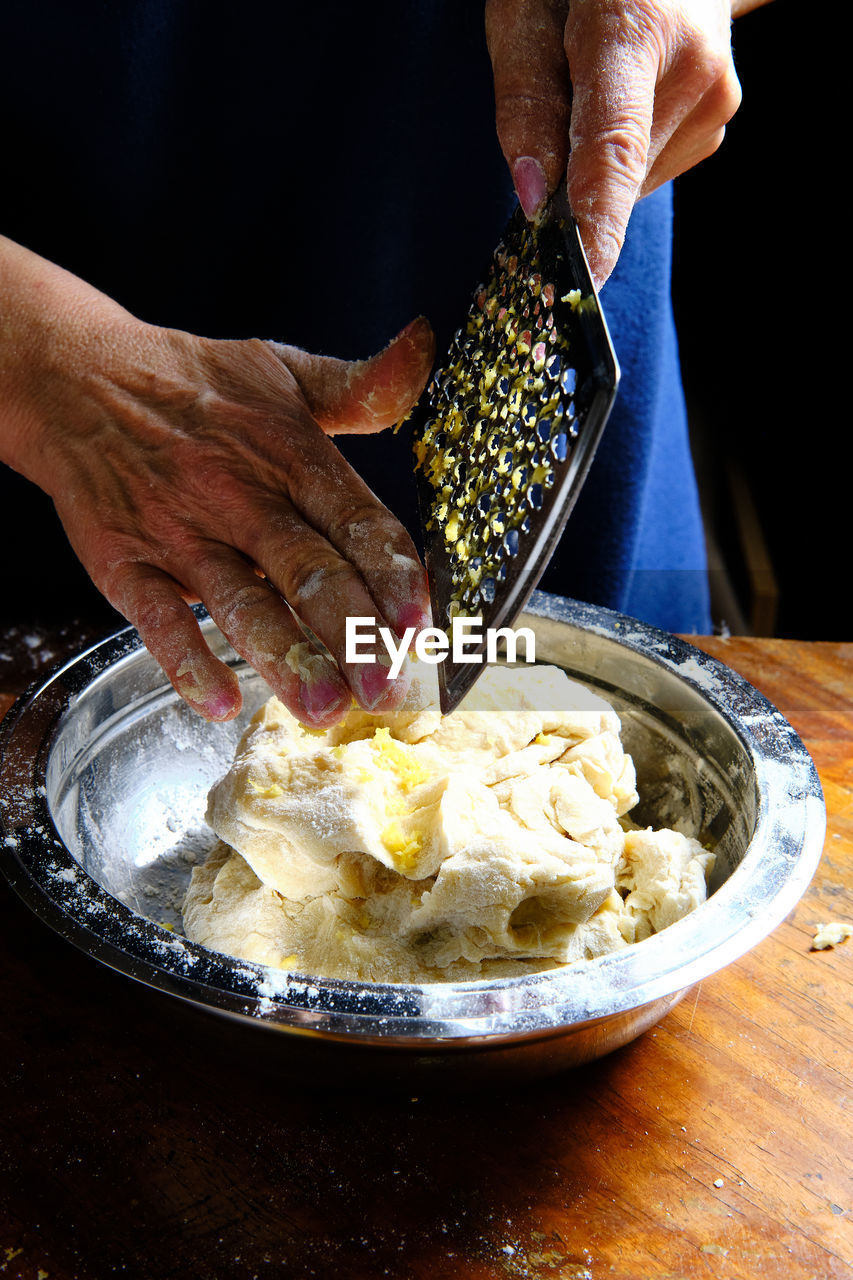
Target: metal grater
506	430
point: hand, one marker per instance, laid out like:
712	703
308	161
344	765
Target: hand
617	95
190	469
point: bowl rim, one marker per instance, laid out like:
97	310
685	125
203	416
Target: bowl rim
778	865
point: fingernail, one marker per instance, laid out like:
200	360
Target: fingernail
193	681
374	684
222	707
377	693
412	615
320	697
530	185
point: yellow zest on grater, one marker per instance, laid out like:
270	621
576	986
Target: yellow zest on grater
507	428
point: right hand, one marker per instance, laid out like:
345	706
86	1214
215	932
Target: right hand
613	97
185	469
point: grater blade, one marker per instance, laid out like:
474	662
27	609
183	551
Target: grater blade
506	430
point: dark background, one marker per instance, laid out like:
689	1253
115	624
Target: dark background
754	262
748	288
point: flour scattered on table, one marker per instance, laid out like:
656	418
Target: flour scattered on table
413	847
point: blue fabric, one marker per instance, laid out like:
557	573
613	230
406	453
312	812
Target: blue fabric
322	174
635	540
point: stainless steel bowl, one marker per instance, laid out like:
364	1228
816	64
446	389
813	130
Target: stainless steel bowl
103	780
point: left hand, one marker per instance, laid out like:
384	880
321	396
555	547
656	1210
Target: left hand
617	96
188	468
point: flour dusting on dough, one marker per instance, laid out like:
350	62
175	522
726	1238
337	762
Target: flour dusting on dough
412	848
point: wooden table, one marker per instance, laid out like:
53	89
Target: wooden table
717	1145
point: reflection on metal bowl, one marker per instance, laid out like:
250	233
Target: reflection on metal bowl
103	782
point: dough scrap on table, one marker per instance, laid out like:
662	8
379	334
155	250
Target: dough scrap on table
830	935
409	847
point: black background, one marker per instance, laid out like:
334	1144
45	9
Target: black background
757	255
760	371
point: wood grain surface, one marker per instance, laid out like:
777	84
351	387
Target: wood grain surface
135	1142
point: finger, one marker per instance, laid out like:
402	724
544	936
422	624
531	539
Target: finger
693	69
333	499
364	395
153	603
324	590
681	154
699	134
533	94
385	556
261	628
614	73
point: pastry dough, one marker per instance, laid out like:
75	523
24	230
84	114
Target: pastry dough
411	848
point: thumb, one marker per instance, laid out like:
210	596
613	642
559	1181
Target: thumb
533	94
361	396
614	78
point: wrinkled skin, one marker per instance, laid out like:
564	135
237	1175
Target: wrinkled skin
188	469
615	97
